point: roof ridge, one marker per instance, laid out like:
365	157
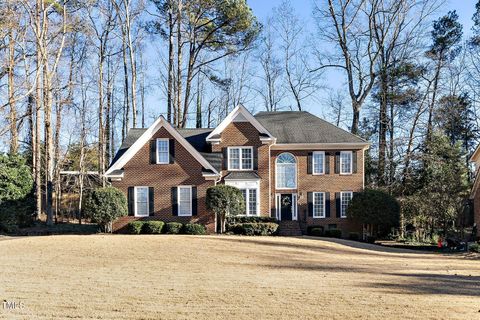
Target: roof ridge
335	126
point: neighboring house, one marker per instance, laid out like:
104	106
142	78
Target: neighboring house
290	165
475	193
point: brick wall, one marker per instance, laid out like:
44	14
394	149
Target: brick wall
321	183
245	134
162	177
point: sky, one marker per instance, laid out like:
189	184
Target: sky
334	79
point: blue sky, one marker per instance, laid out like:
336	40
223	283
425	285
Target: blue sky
334	79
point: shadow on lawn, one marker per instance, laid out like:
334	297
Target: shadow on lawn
430	283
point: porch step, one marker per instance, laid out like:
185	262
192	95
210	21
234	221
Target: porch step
289	228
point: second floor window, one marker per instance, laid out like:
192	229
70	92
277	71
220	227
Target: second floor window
240	158
346	162
318	162
286	172
163	155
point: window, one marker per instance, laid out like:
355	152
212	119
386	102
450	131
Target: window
286	171
240	158
345	197
184	200
163	154
141	201
319	205
346	162
250	196
318	162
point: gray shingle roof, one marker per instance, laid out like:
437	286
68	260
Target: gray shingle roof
304	127
242	175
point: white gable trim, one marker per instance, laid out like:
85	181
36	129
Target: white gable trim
147	135
239	110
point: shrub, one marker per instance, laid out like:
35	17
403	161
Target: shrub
371	239
309	228
153	227
16	214
244	219
255	229
333	233
376	208
224	201
355	236
475	247
173	227
135	227
104	205
316	232
194	228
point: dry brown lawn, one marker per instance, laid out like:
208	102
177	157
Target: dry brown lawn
215	277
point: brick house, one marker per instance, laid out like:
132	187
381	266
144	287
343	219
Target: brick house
475	192
289	165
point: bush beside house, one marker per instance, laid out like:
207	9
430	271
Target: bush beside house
224	201
105	205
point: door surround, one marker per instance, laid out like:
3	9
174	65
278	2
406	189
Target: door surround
278	206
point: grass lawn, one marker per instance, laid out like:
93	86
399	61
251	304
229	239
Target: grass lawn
215	277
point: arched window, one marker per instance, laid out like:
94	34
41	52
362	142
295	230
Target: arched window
286	171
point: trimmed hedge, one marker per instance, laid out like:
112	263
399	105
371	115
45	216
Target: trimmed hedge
173	227
475	247
255	229
244	219
333	233
194	228
355	236
309	229
316	232
135	227
153	227
371	239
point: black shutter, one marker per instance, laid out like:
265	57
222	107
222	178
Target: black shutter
354	161
225	159
310	203
255	158
131	200
327	163
153	151
309	163
151	201
337	162
337	204
174	201
171	146
327	204
194	201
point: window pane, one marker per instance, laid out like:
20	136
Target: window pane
234	158
346	160
184	201
141	201
318	159
244	194
246	158
346	197
318	210
252	205
162	151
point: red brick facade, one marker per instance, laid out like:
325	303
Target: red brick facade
186	170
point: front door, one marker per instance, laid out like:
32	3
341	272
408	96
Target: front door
286	206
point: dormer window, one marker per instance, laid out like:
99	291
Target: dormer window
163	155
240	158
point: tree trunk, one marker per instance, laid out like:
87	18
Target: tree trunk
177	114
356	117
382	132
11	93
171	27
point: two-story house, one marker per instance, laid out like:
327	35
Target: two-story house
289	165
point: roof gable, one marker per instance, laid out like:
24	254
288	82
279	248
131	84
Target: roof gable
142	136
239	114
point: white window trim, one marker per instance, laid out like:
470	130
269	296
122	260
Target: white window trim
343	214
322	214
240	155
247	207
135	200
351	162
178	201
168	150
276	173
313	163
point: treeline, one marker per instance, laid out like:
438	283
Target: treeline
76	75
